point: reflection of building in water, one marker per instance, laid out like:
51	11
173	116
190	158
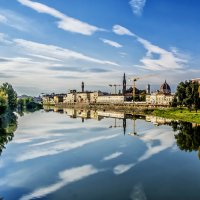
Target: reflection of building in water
124	125
69	111
83	114
134	127
158	120
56	109
111	114
94	115
118	126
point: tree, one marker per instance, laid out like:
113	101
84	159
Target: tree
196	99
188	95
174	102
3	102
11	95
180	93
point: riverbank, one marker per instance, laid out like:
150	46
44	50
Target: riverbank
182	114
178	114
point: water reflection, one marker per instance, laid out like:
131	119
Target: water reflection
187	136
8	125
54	156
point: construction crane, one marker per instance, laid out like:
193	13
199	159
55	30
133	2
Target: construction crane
134	79
116	85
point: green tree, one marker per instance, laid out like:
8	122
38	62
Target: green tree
11	95
188	95
3	102
196	99
180	93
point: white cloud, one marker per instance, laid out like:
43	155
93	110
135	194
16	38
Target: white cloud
137	6
120	30
156	57
112	156
57	52
66	177
65	22
3	19
4	39
111	43
16	21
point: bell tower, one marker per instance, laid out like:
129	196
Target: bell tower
124	84
82	86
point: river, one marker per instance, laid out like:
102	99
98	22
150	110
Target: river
99	155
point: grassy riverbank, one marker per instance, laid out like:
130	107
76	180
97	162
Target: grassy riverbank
179	114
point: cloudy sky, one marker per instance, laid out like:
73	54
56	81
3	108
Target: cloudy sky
53	45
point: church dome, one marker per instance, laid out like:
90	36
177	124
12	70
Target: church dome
165	88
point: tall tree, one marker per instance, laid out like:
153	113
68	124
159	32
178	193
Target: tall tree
11	95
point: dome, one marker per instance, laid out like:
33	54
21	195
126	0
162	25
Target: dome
165	88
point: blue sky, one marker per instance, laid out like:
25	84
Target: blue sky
52	46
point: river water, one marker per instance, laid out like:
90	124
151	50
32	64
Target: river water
99	155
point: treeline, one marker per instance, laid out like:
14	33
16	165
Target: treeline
187	95
9	101
28	104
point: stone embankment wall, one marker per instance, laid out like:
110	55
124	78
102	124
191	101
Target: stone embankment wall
120	107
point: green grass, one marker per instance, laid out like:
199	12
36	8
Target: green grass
179	114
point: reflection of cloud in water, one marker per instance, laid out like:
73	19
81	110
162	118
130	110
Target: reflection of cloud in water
138	193
166	140
120	169
112	156
66	177
30	138
156	141
59	147
45	142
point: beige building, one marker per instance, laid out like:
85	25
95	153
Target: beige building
48	100
111	99
58	98
83	97
70	98
161	97
94	96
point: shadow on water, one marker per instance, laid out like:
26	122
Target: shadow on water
8	125
187	136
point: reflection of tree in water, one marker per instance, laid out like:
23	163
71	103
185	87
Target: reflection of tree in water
188	136
8	125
